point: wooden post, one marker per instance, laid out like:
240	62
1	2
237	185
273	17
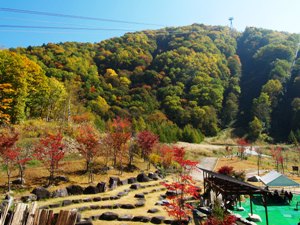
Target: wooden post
251	209
266	208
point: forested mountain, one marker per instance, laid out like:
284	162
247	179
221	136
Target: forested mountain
182	83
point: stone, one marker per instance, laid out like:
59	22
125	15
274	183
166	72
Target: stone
94	217
139	196
157	219
109	216
124	182
18	181
114	197
113	182
101	187
55	205
59	193
143	219
116	206
153	210
75	190
142	177
121	194
153	176
83	208
135	186
139	204
131	180
29	198
44	207
76	201
97	199
94	207
41	193
84	223
127	206
125	217
254	217
91	190
61	178
67	202
87	200
105	198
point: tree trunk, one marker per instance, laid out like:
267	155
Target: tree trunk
8	178
21	170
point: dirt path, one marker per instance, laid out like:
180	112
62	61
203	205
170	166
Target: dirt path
206	163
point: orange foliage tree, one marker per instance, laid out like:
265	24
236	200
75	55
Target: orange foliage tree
9	152
89	140
119	135
50	150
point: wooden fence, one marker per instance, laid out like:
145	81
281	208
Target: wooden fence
25	214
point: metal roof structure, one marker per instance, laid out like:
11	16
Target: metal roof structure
275	179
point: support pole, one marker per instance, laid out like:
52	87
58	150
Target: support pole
251	209
266	208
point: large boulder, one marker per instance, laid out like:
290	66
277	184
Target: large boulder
59	193
142	178
75	190
101	187
114	182
91	190
41	193
109	216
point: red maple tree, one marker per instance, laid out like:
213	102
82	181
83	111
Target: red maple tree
147	140
89	140
119	136
9	152
227	220
278	157
242	143
183	188
226	170
50	150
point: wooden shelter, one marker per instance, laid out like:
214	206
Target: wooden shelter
229	186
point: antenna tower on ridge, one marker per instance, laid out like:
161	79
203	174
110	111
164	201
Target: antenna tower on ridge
231	19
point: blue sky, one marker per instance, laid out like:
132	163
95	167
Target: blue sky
282	15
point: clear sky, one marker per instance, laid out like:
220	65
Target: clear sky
282	15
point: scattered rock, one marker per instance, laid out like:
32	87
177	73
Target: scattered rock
94	217
94	207
91	190
97	199
59	193
18	181
139	204
153	176
83	208
131	180
61	178
75	190
121	194
116	206
29	198
108	216
157	219
142	178
105	198
171	193
127	206
143	219
87	200
101	187
135	186
41	193
153	210
124	182
76	201
113	182
67	202
125	217
114	197
139	196
55	205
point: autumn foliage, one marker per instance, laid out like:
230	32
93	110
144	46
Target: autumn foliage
89	140
242	143
50	150
184	188
147	140
226	170
278	157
